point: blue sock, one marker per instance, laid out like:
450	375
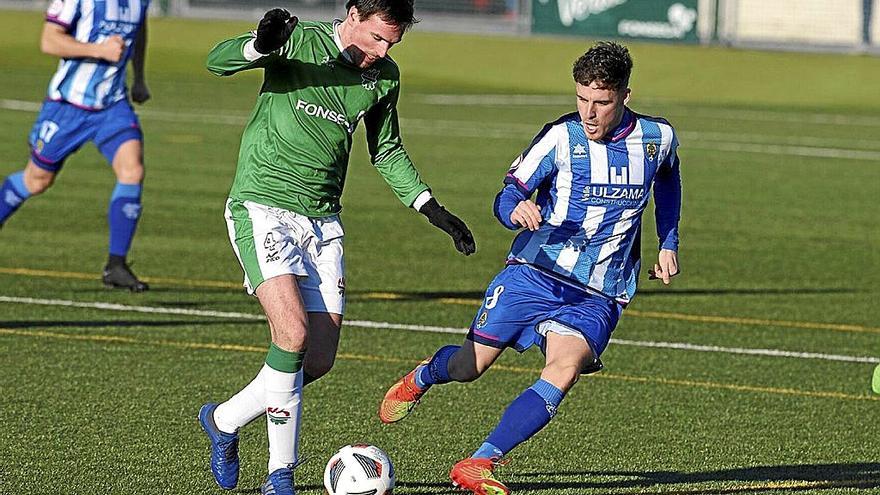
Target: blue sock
436	372
12	194
524	417
123	214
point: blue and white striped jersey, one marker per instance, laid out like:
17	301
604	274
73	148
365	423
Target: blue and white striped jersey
91	83
592	195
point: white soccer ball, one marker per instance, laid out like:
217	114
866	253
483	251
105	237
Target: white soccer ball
359	470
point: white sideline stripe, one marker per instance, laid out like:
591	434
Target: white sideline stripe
134	309
431	328
518	133
495	100
751	352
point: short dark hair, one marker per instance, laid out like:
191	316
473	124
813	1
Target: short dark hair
397	12
607	63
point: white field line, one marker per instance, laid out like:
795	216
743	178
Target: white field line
430	328
771	149
797	140
671	107
749	143
490	100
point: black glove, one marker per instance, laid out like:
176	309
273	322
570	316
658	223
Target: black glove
451	224
274	30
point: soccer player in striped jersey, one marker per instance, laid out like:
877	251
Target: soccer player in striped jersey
574	266
320	80
88	101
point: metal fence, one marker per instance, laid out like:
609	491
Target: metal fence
841	25
475	16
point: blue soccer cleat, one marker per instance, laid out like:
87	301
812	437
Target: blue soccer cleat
279	482
224	449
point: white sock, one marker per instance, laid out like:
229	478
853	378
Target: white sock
283	393
243	407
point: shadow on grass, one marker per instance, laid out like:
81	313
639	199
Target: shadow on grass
765	479
159	287
114	323
758	479
299	488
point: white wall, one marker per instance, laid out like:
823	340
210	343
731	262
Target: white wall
836	22
875	24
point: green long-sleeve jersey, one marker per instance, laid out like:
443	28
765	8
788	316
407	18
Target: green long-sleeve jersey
295	147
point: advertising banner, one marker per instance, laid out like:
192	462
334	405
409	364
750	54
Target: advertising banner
672	20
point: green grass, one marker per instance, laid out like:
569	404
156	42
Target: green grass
779	251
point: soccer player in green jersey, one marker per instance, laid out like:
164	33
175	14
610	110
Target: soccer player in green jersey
320	80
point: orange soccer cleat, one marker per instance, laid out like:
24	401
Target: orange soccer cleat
476	475
402	397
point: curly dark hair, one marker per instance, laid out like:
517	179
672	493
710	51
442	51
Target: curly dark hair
607	63
397	12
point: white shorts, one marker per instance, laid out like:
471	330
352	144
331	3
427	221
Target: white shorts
270	242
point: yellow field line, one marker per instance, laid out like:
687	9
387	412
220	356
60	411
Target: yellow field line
393	296
660	315
751	321
385	359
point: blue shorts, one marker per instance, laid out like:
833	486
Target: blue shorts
522	305
61	128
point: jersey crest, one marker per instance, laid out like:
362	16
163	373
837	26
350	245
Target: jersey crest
369	78
651	151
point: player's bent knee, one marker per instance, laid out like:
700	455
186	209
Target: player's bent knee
290	339
38	183
466	372
130	173
563	376
318	367
39	186
37	179
466	376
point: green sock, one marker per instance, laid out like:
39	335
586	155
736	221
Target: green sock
285	361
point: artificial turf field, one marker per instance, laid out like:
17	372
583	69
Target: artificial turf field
780	252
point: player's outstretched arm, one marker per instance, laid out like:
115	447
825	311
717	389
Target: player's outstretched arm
56	41
391	161
255	49
451	224
139	91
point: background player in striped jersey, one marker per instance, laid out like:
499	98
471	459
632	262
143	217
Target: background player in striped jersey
574	267
87	101
321	79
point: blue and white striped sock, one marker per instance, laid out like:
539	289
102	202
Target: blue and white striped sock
12	194
123	214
